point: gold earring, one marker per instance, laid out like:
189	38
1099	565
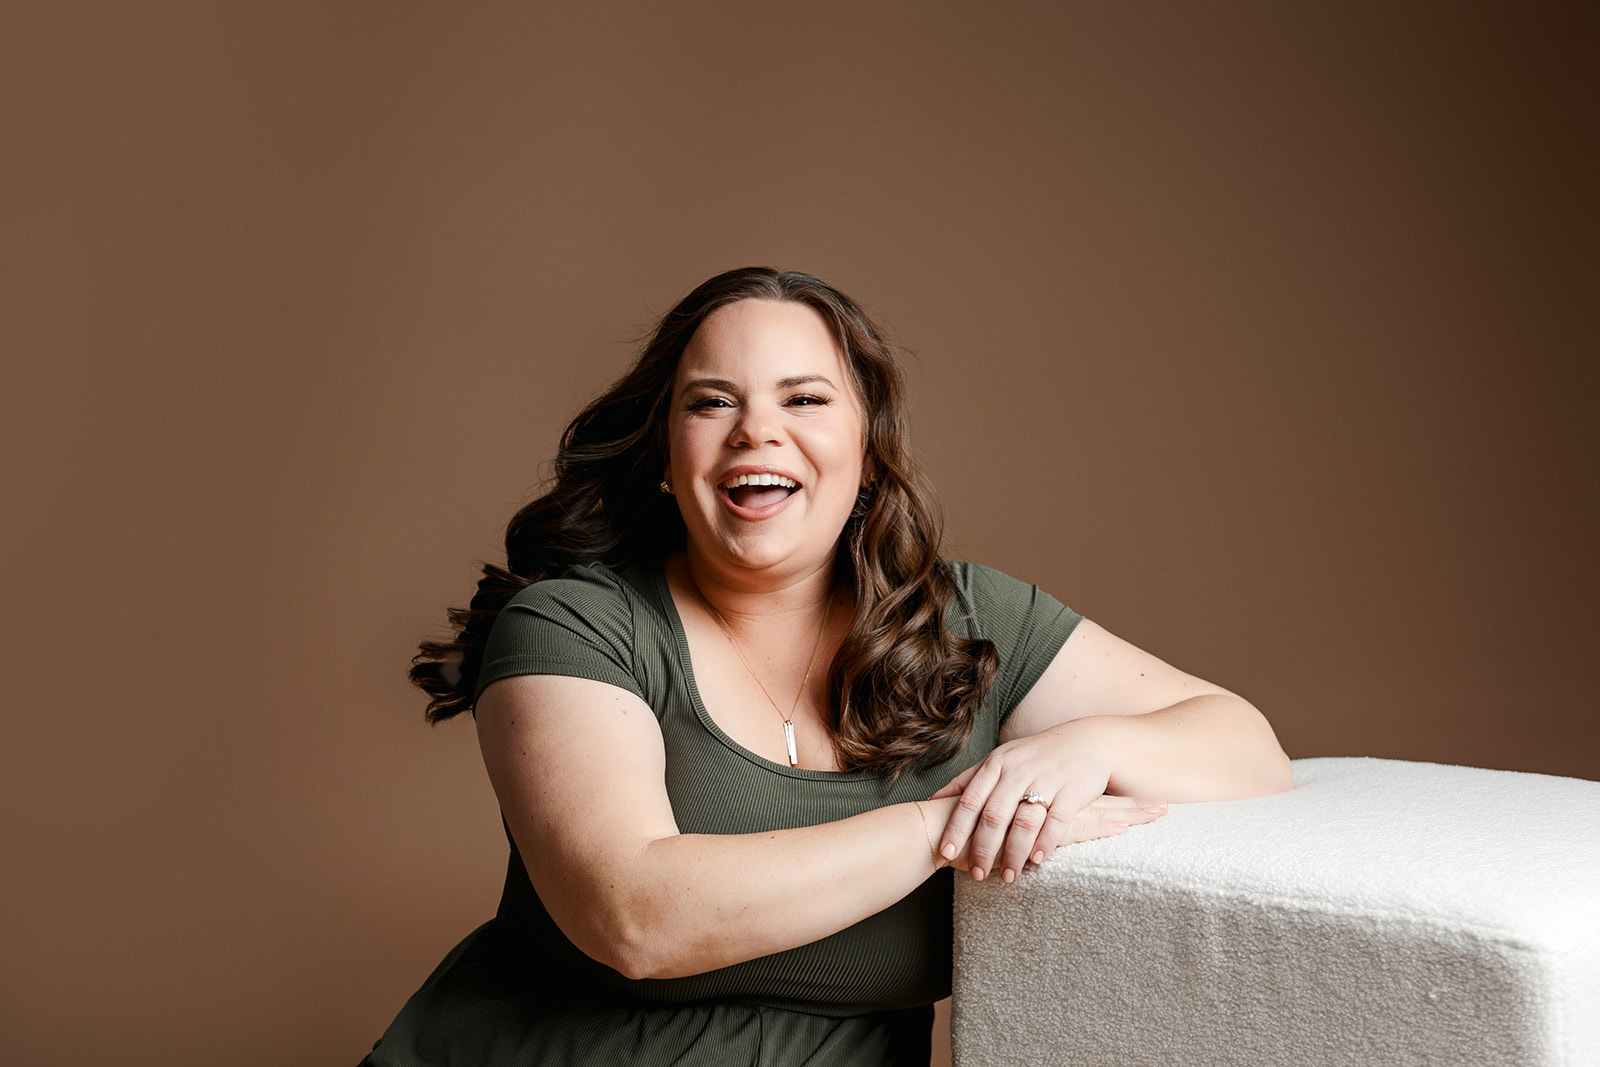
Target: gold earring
666	486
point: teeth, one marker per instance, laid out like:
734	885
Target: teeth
759	479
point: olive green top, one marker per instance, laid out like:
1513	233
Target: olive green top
517	991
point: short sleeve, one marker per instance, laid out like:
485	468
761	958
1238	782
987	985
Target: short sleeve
579	625
1027	625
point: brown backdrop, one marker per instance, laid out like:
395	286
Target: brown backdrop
1263	336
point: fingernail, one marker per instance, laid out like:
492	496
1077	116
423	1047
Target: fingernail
1009	876
948	852
1038	857
977	874
1155	808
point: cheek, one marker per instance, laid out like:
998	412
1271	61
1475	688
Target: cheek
859	453
692	453
852	468
680	445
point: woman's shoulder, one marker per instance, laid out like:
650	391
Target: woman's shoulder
1027	625
592	584
965	572
983	588
584	621
596	590
993	605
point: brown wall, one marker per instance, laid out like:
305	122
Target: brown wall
1263	336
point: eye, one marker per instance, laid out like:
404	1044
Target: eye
807	400
708	402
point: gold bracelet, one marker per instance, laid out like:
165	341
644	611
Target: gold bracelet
933	850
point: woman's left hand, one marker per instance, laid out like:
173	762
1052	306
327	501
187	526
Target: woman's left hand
1059	765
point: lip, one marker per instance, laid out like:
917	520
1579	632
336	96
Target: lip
755	514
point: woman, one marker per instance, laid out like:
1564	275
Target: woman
738	712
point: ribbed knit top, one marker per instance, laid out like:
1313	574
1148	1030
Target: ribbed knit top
622	628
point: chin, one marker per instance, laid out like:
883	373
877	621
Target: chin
778	557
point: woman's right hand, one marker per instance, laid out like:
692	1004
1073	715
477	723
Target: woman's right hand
1104	816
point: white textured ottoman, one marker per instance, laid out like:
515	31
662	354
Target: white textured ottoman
1383	912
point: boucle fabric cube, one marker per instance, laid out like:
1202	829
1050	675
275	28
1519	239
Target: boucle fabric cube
1382	912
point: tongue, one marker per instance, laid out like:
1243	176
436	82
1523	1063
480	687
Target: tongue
758	496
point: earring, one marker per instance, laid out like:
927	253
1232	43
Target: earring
666	486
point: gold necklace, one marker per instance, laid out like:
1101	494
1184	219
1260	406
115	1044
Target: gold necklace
788	720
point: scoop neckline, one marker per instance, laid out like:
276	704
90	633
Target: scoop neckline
669	607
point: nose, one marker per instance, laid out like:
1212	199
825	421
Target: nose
756	425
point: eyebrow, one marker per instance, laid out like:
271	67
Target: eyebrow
723	385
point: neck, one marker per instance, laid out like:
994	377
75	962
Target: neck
743	596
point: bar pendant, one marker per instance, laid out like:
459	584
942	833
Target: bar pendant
788	739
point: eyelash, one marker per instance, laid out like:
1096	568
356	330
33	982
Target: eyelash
800	400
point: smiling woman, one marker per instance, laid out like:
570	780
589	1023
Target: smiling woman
766	445
742	718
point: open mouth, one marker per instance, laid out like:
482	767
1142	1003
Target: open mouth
755	491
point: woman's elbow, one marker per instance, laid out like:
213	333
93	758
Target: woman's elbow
633	938
634	960
644	955
1258	766
603	921
1268	770
1273	773
622	937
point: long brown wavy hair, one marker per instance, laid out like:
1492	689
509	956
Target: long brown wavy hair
904	690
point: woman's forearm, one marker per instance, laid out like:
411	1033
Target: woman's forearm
578	767
1211	747
696	902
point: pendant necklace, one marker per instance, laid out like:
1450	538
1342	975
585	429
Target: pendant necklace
788	720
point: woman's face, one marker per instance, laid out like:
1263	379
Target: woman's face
762	394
